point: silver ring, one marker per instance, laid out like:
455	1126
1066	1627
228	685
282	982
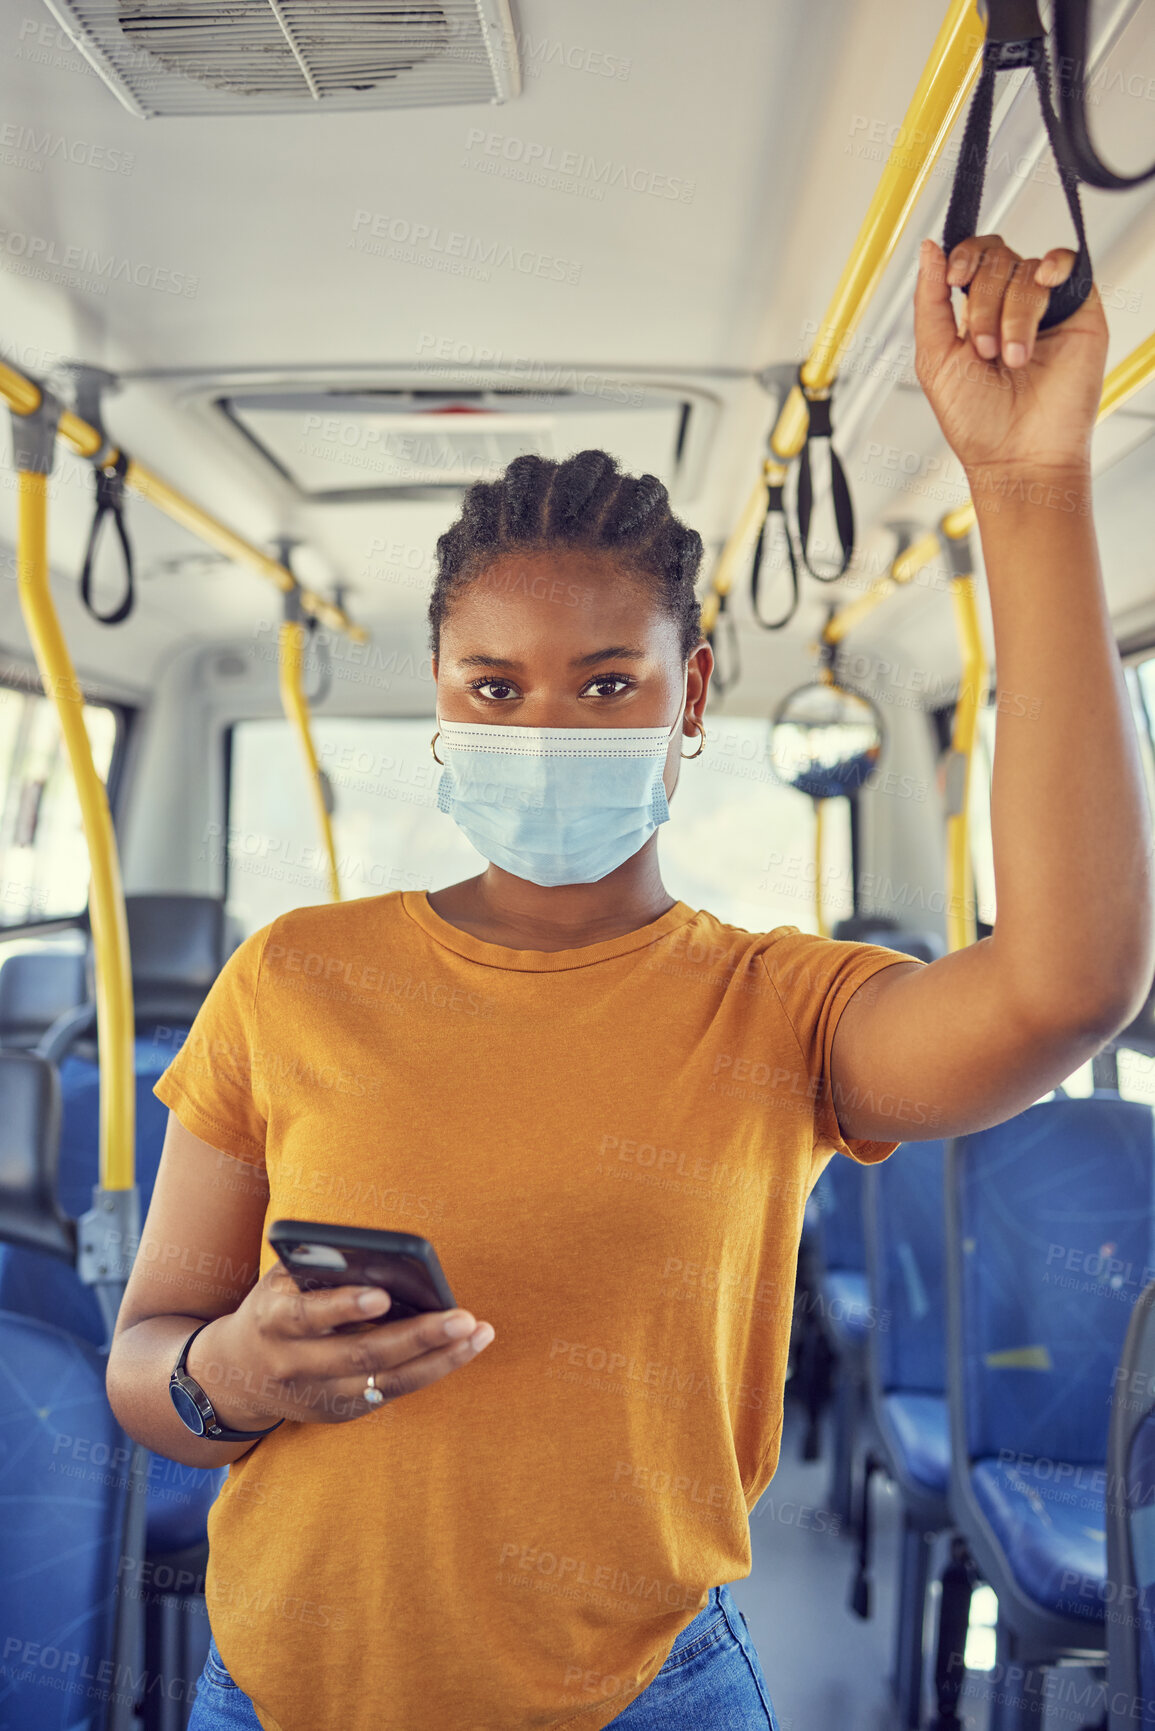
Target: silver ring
372	1393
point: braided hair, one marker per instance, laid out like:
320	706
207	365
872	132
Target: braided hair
584	502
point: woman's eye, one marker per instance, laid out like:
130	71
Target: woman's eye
503	687
604	679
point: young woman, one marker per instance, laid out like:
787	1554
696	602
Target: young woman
605	1108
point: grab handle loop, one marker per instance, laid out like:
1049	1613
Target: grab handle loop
109	502
819	427
1015	39
1070	21
775	507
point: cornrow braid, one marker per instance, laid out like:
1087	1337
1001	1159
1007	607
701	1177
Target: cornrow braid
587	502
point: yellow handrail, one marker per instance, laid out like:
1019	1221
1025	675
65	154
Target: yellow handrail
1132	373
820	918
947	80
24	396
292	649
114	1011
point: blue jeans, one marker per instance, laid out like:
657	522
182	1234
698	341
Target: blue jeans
712	1677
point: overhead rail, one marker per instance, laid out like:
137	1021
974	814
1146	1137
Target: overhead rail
291	646
24	396
947	78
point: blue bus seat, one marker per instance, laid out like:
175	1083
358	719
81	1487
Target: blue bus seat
1049	1227
842	1252
64	1460
920	1425
1130	1505
177	946
64	1489
37	987
843	1309
903	1214
906	1379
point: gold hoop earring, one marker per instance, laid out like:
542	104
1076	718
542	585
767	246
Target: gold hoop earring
433	747
688	755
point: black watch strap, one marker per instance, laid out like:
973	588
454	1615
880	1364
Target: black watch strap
189	1397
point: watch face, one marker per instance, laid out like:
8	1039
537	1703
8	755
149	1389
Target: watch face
188	1409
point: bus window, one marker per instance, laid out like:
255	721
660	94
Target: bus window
738	842
43	857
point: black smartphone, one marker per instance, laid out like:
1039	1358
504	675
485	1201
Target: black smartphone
319	1255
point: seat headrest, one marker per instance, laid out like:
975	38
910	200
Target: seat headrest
178	947
29	1154
35	988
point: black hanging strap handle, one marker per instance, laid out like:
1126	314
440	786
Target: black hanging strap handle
1070	25
819	427
774	508
109	502
1015	38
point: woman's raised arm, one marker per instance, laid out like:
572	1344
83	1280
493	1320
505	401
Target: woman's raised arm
980	1034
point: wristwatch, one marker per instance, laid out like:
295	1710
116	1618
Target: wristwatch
195	1407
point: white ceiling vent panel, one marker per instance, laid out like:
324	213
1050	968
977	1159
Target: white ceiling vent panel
341	447
203	57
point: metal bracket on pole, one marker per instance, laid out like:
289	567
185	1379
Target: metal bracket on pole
88	387
107	1237
779	380
293	613
34	436
957	550
906	531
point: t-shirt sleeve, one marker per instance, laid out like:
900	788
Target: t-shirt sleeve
815	978
209	1084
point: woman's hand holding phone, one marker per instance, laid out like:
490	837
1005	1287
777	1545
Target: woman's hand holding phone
276	1356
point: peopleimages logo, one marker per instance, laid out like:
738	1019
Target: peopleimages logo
567	170
451	250
36	255
25	147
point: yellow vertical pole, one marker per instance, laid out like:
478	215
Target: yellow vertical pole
114	1012
823	928
292	652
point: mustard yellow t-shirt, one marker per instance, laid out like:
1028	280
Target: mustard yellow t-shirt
610	1149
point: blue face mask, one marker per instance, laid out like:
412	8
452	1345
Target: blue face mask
556	805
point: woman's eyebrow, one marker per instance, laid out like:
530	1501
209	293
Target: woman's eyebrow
621	651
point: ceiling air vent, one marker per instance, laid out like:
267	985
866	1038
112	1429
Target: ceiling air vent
345	447
203	57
